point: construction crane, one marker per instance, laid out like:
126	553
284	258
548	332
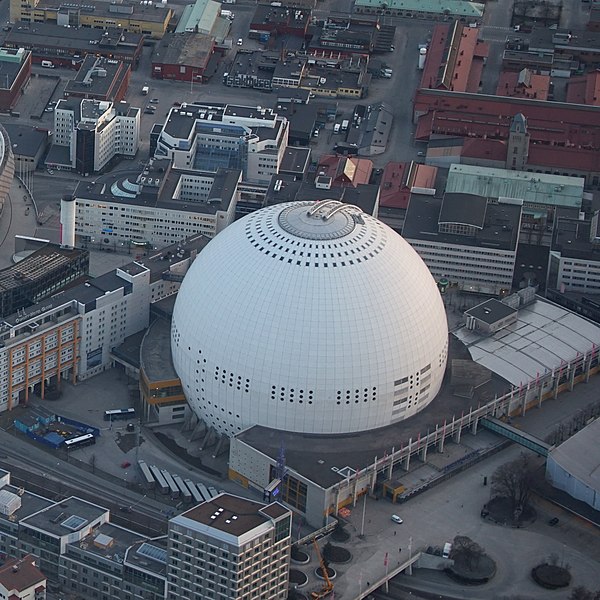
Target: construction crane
328	585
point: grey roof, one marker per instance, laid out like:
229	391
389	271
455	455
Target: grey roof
186	48
90	82
141	561
109	542
464	209
51	519
51	35
573	237
501	228
156	362
222	192
228	513
544	337
490	311
25	139
295	160
579	456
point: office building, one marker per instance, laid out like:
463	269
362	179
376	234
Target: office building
88	134
467	239
133	17
99	78
241	550
207	137
159	207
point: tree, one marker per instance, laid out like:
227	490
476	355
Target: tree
513	480
466	551
582	593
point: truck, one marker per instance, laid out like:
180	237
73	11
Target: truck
345	124
145	90
227	14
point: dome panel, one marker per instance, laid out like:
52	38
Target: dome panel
321	323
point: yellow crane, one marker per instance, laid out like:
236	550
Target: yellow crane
328	585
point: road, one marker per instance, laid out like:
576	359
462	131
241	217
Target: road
42	472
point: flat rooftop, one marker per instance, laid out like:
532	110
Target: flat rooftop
490	311
167	193
98	76
150	555
230	514
109	541
186	48
533	188
500	230
158	364
65	517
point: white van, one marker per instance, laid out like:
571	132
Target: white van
48	64
447	550
336	128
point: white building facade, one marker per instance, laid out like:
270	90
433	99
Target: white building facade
476	269
93	132
194	203
241	550
206	137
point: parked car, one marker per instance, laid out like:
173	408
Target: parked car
397	519
154	101
240	42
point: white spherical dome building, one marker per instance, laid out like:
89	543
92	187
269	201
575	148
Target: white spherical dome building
308	317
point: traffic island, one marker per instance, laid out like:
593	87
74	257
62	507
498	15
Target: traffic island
500	510
298	578
472	574
336	554
298	556
331	574
340	534
551	577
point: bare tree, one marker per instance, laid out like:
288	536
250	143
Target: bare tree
513	480
466	551
582	593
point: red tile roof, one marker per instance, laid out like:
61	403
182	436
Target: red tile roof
478	115
523	85
399	178
17	575
585	90
345	171
455	58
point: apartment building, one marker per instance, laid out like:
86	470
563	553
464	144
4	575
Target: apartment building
467	239
73	334
159	207
205	137
229	547
90	133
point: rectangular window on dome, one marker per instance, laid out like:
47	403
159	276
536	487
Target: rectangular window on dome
401	381
425	369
